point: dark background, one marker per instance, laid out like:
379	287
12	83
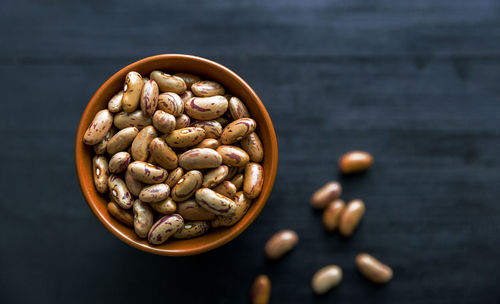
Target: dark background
416	83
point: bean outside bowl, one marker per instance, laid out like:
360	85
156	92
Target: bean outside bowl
172	63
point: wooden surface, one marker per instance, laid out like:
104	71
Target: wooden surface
413	82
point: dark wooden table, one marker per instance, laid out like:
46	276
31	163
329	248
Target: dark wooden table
416	83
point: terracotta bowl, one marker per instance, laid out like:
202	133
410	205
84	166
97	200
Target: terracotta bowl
207	69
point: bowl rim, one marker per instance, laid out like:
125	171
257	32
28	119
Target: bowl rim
232	234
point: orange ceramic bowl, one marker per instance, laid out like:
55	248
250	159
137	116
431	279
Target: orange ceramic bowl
207	69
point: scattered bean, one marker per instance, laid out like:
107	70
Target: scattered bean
331	214
373	269
355	162
261	290
325	194
281	243
351	216
326	278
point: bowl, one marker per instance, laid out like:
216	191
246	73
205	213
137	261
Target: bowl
207	69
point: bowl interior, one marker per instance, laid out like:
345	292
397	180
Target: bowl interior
207	70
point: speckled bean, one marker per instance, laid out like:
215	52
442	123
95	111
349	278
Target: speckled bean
185	137
98	128
253	146
206	108
226	188
326	194
121	140
163	121
242	205
115	103
190	210
189	79
215	176
210	143
124	216
171	103
238	181
119	192
207	88
326	278
119	162
233	156
186	96
237	130
214	202
237	109
213	128
140	145
373	269
222	120
355	162
168	83
167	206
154	193
192	229
164	228
149	98
187	185
135	119
147	173
132	91
254	179
133	185
233	171
281	243
182	122
200	158
101	147
162	154
143	218
100	171
351	216
331	215
174	176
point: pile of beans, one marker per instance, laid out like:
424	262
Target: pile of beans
177	155
336	215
